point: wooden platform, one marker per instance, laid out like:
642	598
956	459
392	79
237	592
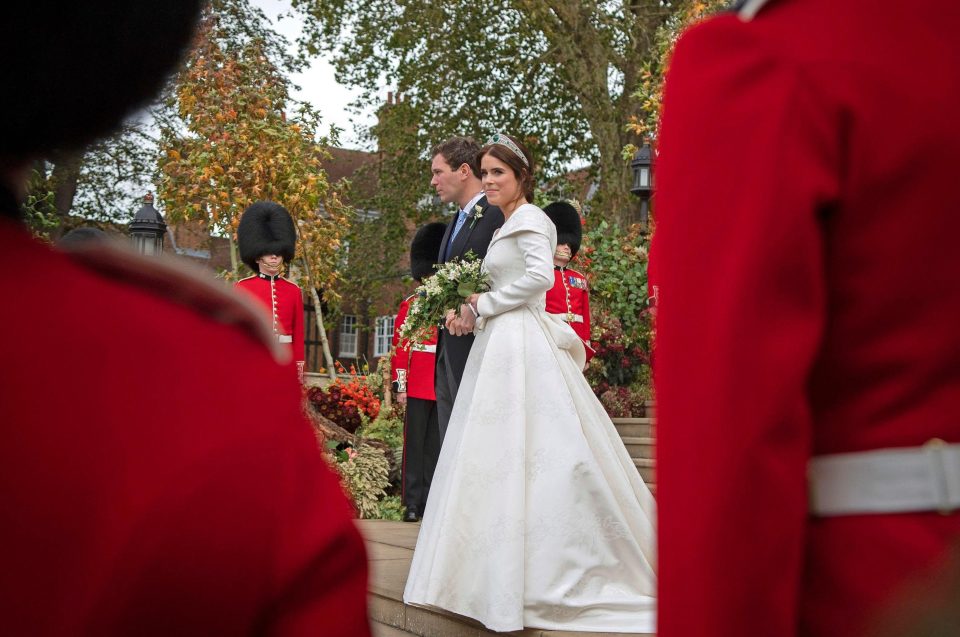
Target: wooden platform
390	549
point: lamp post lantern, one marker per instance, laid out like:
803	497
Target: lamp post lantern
148	228
642	166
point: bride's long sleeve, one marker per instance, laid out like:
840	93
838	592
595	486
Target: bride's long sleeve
534	243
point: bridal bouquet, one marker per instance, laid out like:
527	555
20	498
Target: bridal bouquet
448	289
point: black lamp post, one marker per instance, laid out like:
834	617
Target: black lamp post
642	166
147	228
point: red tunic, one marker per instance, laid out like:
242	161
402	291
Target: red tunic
284	300
569	298
413	368
806	252
145	491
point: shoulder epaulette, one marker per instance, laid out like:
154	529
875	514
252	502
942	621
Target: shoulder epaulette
289	281
410	298
182	283
252	276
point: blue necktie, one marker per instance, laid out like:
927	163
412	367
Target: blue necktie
461	219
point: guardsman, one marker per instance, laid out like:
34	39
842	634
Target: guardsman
154	488
414	367
569	298
808	350
267	240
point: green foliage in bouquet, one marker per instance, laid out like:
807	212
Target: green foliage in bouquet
364	473
446	290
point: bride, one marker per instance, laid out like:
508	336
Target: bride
537	516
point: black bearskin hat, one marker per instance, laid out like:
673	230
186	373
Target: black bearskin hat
107	58
425	249
266	228
566	218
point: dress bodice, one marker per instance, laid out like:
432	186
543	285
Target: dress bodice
520	262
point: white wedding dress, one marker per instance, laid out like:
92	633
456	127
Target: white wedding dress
537	516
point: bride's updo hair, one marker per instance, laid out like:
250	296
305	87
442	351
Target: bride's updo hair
499	146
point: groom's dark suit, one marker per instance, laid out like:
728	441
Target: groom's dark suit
452	351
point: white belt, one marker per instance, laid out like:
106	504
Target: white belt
284	338
569	317
898	480
432	349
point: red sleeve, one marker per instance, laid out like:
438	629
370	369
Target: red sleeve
401	357
299	353
319	559
746	159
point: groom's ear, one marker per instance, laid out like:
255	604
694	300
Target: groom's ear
464	170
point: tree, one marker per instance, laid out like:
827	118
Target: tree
102	183
400	201
559	73
649	90
234	144
106	181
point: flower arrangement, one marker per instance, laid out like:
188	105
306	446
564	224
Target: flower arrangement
364	473
446	290
624	402
387	427
619	373
347	403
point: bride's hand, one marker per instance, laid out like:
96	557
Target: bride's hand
466	321
451	317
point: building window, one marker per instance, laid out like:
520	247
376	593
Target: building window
381	345
348	336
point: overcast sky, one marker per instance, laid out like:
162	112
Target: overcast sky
317	84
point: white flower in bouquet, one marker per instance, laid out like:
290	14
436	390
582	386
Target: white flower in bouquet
446	290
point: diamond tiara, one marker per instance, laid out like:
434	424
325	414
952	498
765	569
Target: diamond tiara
503	140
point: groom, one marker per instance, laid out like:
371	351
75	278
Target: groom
456	178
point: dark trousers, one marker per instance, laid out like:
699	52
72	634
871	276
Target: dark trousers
421	448
452	354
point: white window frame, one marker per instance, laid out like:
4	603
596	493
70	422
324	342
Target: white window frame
348	336
384	335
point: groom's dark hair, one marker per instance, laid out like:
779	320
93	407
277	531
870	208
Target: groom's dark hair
458	151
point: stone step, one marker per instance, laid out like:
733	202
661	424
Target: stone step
382	630
647	469
393	619
389	549
635	427
639	446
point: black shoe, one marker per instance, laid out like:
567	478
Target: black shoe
411	516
